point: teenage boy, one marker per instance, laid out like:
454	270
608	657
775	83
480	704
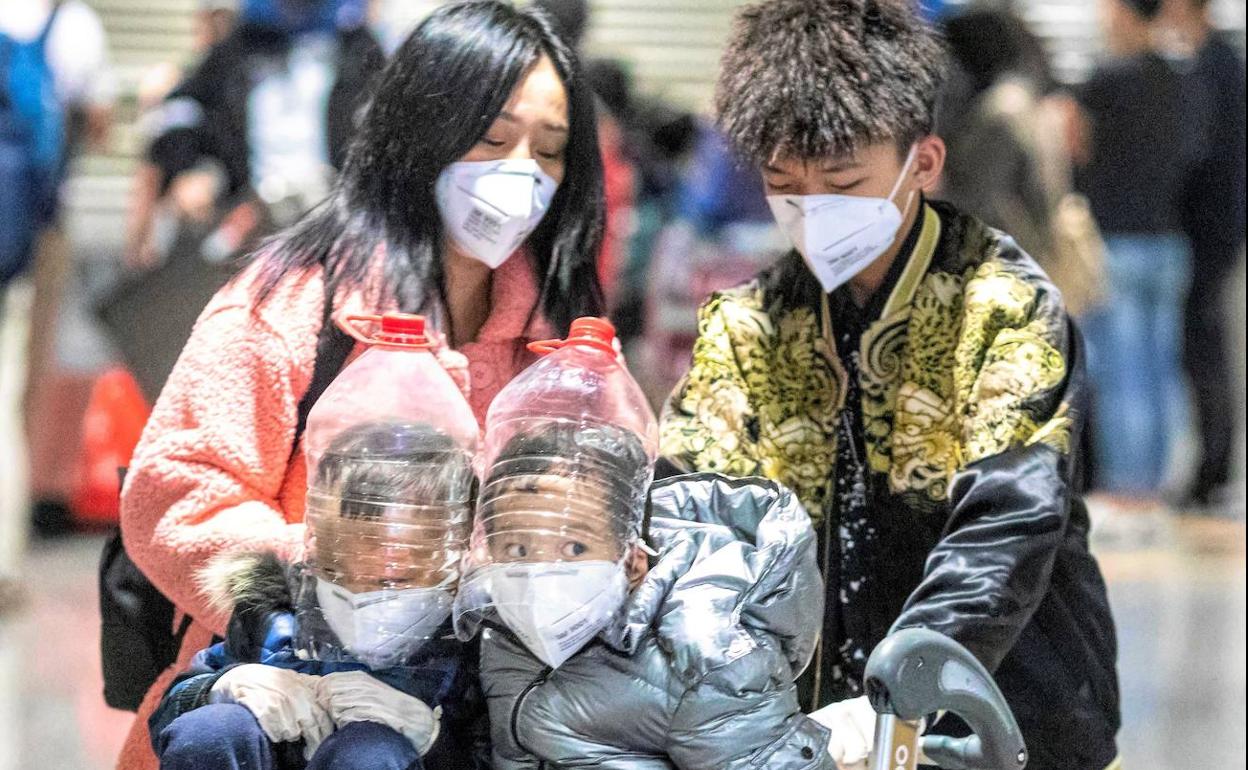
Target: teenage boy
910	373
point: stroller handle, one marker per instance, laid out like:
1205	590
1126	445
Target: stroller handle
916	672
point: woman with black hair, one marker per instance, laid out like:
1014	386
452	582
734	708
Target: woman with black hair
472	194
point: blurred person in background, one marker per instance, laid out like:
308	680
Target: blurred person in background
56	92
1142	132
654	139
988	115
56	96
1213	214
481	116
721	234
642	141
1002	117
245	144
213	22
267	114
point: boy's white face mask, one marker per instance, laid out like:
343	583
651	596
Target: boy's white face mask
555	608
383	628
489	207
840	235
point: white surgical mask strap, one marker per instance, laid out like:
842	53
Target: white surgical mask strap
914	149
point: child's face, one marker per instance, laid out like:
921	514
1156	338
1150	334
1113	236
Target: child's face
546	517
363	556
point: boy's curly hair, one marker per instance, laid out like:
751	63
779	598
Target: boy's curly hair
823	78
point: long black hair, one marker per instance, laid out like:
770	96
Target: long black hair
435	100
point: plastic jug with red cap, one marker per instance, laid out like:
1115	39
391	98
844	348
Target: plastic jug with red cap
579	379
391	448
397	378
568	457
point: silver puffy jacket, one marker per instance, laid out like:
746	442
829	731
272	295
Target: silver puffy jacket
697	670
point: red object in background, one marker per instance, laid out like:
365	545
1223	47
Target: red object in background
618	179
111	428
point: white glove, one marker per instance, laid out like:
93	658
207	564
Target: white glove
852	723
357	696
284	702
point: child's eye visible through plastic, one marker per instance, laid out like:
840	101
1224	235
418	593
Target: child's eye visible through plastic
573	549
516	551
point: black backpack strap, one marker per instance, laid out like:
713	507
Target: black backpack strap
333	345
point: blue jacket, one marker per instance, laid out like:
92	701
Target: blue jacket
263	629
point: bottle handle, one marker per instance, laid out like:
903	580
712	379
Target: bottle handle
545	347
348	324
587	331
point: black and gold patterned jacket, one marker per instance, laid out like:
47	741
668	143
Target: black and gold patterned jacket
971	388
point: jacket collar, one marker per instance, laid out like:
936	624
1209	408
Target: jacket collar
514	298
734	552
917	264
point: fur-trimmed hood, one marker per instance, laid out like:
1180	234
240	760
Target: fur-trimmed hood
253	588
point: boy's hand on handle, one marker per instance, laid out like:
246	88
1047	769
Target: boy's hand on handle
284	702
852	723
357	696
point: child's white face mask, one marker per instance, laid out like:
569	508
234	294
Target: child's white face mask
489	207
383	628
840	235
555	608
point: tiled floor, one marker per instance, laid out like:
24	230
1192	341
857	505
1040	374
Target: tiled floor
1180	614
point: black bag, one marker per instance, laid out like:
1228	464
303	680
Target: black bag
175	291
137	638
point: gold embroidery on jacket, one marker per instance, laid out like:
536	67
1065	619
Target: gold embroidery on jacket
766	388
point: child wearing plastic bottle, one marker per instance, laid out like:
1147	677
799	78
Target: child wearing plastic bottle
617	639
347	660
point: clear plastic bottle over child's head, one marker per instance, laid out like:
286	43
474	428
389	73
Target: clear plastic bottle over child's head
580	380
397	377
568	458
391	482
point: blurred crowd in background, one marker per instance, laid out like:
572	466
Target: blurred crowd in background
1127	185
1113	152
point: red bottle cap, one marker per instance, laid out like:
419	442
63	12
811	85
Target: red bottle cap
402	330
403	327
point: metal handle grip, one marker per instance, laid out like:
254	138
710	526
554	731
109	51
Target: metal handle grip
916	672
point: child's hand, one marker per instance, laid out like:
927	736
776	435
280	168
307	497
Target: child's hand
284	702
852	723
356	696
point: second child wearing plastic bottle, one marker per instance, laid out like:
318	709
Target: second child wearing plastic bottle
595	655
347	661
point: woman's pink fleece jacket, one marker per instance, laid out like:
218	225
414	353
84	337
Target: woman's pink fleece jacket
214	470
